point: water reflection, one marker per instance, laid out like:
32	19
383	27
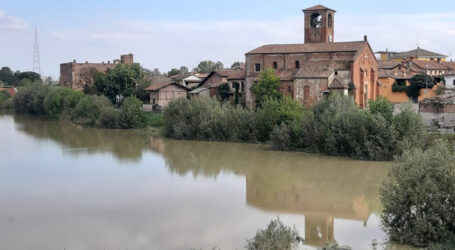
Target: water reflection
323	189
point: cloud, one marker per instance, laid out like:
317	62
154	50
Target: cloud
11	23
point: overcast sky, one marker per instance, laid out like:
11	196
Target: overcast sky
170	33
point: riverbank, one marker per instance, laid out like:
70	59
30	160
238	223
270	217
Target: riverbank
85	110
335	126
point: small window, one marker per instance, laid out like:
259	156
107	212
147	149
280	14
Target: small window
153	101
289	89
453	82
257	67
243	87
336	72
297	64
275	65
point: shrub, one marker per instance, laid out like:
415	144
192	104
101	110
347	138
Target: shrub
396	87
88	109
409	127
419	196
30	99
383	107
205	118
154	119
131	114
267	87
334	246
108	118
275	236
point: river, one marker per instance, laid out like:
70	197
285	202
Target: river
66	187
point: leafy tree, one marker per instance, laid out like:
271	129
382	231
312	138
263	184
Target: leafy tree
418	82
2	84
267	87
31	76
140	91
6	76
173	72
183	70
383	107
275	236
121	81
208	66
155	72
419	196
235	65
223	91
131	114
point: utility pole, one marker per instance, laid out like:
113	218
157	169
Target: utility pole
36	61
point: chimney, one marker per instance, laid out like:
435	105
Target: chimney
74	61
365	38
86	62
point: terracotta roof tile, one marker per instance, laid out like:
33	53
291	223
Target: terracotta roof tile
432	65
450	65
309	47
387	64
159	85
321	69
232	74
417	53
318	7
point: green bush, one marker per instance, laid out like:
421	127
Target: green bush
275	236
88	109
383	107
205	118
419	196
108	118
131	114
334	246
154	119
409	127
30	98
396	87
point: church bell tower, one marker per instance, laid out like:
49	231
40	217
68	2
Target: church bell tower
319	24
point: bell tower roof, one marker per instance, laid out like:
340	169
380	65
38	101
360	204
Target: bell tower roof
318	7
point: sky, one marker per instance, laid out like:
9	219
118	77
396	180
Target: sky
169	34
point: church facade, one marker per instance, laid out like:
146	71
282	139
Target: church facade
312	69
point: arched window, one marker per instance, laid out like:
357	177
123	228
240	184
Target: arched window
275	65
316	20
330	21
297	64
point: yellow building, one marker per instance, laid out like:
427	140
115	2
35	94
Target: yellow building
412	55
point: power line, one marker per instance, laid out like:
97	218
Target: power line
36	61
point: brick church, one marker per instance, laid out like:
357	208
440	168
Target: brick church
310	70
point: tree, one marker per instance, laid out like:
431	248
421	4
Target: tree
419	196
418	82
208	66
183	69
6	76
121	81
173	72
236	86
223	91
235	65
383	107
275	236
31	76
267	87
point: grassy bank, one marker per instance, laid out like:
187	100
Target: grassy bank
86	110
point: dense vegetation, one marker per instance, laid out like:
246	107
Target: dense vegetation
335	125
86	110
419	197
15	79
275	236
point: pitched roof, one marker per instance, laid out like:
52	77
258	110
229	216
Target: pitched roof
337	83
389	64
287	75
198	90
432	65
309	48
232	74
317	7
321	69
416	53
159	85
450	65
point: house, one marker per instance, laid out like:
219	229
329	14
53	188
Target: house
190	79
412	55
76	75
232	77
438	111
310	70
11	90
162	93
394	77
449	81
